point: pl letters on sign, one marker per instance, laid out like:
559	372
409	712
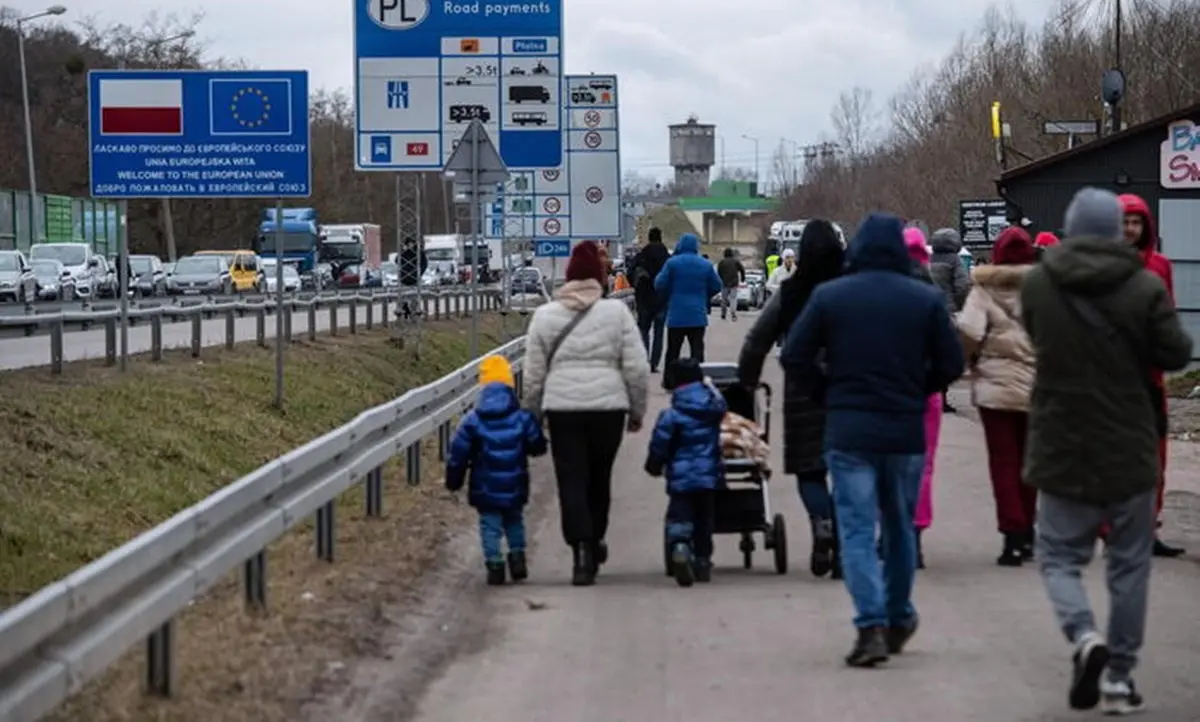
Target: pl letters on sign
399	14
1179	157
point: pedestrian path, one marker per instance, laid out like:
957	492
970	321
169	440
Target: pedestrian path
758	646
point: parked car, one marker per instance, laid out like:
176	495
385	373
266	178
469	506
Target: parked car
529	280
440	273
54	281
149	276
87	269
17	280
195	275
291	277
391	275
751	294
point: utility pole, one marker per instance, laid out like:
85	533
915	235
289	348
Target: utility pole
1116	107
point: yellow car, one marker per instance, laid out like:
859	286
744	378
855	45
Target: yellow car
245	270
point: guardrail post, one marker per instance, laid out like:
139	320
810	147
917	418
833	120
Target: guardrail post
287	324
197	334
260	325
110	342
383	322
325	535
160	660
458	305
333	318
312	321
230	329
156	345
354	315
412	463
370	315
374	489
443	440
56	347
254	573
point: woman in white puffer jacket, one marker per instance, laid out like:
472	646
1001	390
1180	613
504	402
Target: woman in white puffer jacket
586	370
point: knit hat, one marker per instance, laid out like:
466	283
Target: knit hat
685	371
495	369
1013	247
1045	239
914	242
1095	212
585	263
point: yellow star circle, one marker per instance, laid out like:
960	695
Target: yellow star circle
263	116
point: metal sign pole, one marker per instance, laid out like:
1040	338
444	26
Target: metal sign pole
123	277
279	309
473	303
419	236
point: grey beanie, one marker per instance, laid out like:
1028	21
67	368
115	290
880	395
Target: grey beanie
1094	212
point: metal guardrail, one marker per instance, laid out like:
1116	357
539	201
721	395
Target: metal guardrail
436	305
69	632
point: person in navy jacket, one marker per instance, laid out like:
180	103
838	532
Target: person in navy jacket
686	447
493	444
686	284
887	344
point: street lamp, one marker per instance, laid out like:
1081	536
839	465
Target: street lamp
754	140
33	197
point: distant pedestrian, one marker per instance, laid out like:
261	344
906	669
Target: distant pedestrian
887	344
732	274
1100	326
951	276
771	262
686	448
783	272
920	253
492	445
586	369
651	310
822	257
412	262
1044	240
686	284
1002	370
1140	231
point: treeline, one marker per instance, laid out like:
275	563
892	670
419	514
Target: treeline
58	60
931	144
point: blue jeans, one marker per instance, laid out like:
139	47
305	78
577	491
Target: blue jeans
689	519
870	489
494	526
652	321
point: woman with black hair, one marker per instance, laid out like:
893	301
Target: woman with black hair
821	259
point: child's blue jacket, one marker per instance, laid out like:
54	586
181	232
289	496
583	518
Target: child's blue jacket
493	443
686	444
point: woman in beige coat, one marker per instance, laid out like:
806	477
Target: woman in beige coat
1002	372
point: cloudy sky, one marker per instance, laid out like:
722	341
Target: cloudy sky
772	72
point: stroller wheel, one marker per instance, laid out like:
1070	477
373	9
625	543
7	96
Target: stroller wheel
747	547
779	539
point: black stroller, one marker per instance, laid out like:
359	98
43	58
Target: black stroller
743	506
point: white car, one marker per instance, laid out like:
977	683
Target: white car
87	270
291	277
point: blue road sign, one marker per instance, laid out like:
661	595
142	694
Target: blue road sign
198	134
552	249
424	70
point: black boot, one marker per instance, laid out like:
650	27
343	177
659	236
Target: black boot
1011	556
1027	540
821	560
601	553
517	568
495	574
702	569
584	572
920	550
1162	549
681	562
870	648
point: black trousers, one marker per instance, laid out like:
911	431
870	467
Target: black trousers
584	445
690	519
694	335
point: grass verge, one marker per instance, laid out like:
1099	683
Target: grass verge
94	457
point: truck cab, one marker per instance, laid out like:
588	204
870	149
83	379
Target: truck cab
301	237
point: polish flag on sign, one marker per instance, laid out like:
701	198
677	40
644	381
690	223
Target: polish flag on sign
141	107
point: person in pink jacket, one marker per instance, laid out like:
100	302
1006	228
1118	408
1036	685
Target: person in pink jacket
920	252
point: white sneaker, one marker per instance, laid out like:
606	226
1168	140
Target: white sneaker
1119	698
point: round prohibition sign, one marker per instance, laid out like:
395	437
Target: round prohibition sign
551	226
594	194
591	118
592	139
550	175
552	205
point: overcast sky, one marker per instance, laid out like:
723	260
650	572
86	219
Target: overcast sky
773	71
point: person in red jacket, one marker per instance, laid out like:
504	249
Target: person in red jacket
1141	232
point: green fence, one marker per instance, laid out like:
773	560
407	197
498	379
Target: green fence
64	219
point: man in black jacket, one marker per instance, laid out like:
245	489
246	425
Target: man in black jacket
650	308
412	262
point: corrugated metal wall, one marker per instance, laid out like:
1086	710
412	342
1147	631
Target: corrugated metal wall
64	219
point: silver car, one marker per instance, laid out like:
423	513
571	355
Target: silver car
54	282
197	275
291	277
17	282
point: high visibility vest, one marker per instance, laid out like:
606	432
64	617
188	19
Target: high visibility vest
772	264
620	283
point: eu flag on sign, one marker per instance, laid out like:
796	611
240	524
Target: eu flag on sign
251	107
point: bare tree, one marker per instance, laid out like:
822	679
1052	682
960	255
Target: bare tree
855	121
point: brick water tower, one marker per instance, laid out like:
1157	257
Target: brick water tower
693	152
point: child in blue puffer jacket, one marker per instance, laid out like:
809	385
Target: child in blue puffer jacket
494	442
686	446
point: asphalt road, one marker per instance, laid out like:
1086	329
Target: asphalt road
18	353
755	645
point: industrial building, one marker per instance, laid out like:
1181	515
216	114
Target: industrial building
693	151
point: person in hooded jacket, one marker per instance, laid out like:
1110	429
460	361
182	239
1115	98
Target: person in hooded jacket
951	276
1100	324
920	253
888	343
1002	370
412	262
822	258
686	284
686	448
493	443
1141	233
651	311
586	370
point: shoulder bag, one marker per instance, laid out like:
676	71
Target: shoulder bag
562	335
1095	319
